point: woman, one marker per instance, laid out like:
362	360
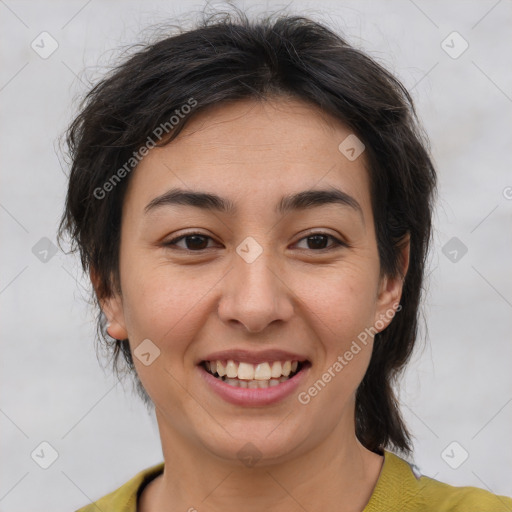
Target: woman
253	203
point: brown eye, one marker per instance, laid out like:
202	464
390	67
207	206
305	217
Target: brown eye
319	242
192	242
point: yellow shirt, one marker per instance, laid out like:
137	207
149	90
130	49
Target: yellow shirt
397	490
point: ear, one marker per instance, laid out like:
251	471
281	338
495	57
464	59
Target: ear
390	288
112	307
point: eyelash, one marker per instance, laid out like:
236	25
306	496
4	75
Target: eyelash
337	243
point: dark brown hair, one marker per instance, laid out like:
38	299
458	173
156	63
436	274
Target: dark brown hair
229	57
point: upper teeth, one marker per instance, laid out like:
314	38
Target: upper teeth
248	371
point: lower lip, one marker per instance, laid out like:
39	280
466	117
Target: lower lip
254	397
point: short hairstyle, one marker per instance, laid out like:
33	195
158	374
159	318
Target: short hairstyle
228	57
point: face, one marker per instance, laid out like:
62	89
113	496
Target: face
258	276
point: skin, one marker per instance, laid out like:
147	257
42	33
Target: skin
293	297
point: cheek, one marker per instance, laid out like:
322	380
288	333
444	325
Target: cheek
343	302
163	305
167	308
340	308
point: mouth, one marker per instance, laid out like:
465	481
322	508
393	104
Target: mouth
266	374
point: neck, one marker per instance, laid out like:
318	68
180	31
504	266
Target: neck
337	474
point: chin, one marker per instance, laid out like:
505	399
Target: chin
261	443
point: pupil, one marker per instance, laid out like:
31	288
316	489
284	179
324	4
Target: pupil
196	242
318	241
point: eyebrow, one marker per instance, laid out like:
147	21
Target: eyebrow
299	201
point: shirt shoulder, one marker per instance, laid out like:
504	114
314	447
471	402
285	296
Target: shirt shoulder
124	499
401	487
464	499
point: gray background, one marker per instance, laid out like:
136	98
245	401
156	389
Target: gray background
459	384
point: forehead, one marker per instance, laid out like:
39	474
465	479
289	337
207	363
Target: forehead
253	151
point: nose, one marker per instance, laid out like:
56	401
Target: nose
254	295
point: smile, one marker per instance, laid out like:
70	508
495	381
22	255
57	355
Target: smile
253	376
253	384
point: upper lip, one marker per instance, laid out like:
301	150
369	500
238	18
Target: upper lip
248	356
